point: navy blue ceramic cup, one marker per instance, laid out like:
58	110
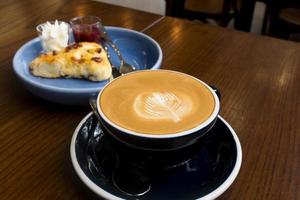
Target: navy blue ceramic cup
161	142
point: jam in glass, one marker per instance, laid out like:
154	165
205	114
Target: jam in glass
86	29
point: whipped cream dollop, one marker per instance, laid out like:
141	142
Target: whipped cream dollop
54	36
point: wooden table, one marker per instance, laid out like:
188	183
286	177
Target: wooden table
258	77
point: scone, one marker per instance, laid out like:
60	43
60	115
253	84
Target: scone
86	60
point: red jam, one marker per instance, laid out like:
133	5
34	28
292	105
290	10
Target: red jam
86	33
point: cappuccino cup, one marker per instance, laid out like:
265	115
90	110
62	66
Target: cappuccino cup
157	109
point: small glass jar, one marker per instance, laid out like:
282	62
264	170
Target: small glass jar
86	29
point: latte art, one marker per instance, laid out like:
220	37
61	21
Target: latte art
162	106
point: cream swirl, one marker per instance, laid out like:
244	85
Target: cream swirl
54	36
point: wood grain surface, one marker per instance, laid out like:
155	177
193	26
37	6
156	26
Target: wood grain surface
35	135
258	78
259	82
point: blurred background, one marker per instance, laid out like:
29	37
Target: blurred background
276	18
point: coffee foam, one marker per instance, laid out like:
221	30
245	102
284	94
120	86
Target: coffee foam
157	102
162	106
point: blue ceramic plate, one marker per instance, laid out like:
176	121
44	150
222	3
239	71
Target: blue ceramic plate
114	171
137	48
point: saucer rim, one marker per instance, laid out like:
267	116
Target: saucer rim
104	194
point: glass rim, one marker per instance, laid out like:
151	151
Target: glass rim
95	20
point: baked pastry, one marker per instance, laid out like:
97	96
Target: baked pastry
86	60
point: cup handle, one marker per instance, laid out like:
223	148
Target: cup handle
217	91
93	104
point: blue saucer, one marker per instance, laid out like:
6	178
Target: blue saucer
114	171
137	49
